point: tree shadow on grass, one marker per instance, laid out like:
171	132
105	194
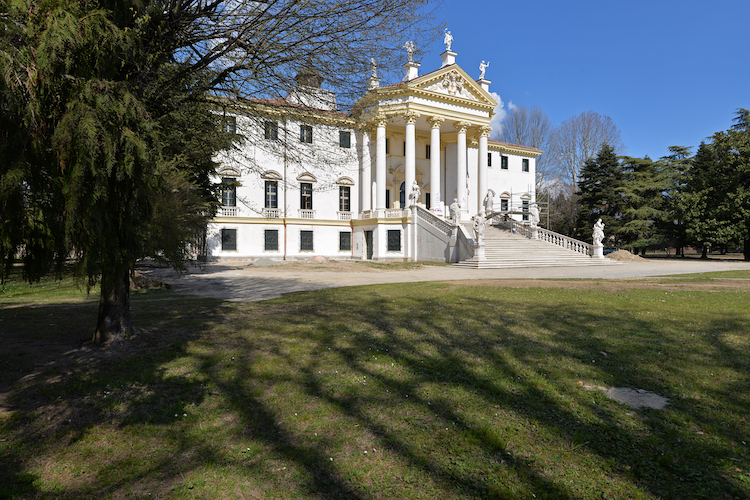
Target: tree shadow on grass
479	389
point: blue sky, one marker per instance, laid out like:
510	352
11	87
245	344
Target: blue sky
667	72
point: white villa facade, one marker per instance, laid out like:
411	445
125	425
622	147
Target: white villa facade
311	181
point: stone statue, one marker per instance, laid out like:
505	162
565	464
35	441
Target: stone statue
479	225
373	68
409	46
448	40
534	209
414	195
489	202
598	233
482	68
455	209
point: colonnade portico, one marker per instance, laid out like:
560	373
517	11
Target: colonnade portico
435	123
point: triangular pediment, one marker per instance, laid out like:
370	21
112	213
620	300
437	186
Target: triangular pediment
452	82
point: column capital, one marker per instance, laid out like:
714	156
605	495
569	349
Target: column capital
435	121
462	126
411	117
380	120
484	131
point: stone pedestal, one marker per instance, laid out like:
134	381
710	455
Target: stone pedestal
597	251
448	57
479	251
534	232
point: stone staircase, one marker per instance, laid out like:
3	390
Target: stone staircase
505	249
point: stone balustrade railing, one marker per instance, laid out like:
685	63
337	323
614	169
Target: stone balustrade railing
433	220
546	235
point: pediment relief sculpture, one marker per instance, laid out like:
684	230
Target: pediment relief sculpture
452	84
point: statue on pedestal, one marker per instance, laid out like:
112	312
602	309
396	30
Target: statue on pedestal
489	202
479	225
455	211
534	209
410	47
482	68
448	40
414	194
598	235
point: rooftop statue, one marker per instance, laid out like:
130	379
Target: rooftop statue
373	68
409	46
448	40
482	68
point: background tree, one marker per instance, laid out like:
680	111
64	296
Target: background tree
530	127
109	118
676	166
600	197
644	206
580	138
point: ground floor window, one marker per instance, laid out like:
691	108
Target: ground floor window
306	241
394	240
345	240
525	208
271	240
228	239
504	205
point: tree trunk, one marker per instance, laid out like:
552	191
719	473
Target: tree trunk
113	323
704	255
746	250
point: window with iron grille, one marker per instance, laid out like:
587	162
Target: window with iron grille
229	192
305	134
272	131
345	139
344	199
345	240
271	240
306	241
228	239
394	240
272	194
230	125
306	196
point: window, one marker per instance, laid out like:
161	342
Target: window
427	151
387	146
427	200
525	209
404	148
305	134
489	159
271	240
402	195
230	125
504	162
387	198
306	241
504	205
272	131
228	239
525	165
344	199
394	240
345	240
228	192
345	139
272	194
305	202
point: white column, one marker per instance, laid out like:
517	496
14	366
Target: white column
484	133
365	181
435	188
380	164
461	127
410	160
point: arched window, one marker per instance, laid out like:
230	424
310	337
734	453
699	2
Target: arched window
402	195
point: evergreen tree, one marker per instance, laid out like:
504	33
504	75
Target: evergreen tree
717	196
599	190
676	167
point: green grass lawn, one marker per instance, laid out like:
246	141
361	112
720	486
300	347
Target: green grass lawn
429	390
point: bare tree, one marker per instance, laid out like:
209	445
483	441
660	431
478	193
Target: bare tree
581	137
530	128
